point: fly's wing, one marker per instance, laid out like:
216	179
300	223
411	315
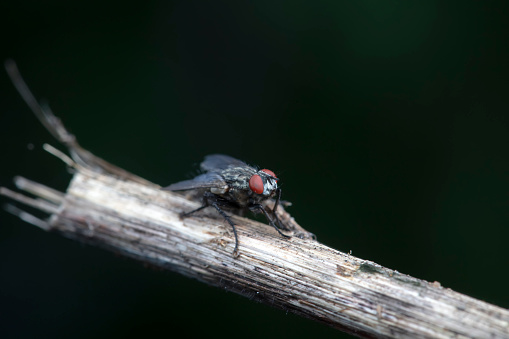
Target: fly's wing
216	162
207	180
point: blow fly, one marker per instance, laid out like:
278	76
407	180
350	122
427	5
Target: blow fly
232	184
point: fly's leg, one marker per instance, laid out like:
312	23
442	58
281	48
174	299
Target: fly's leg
227	218
278	197
274	209
186	214
206	202
210	199
260	207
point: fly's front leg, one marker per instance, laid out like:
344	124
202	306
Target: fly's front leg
278	197
274	209
259	207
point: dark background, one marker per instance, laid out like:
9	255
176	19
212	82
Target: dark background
386	121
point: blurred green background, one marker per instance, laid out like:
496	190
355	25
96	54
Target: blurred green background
386	121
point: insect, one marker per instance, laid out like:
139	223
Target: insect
232	184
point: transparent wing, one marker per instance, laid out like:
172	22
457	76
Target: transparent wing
207	180
215	162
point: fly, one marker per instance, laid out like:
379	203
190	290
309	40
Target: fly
232	184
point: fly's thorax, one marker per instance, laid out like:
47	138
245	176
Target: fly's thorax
238	177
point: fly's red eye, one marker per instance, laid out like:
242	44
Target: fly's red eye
256	184
269	172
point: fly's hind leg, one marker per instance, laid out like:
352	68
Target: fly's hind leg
186	214
207	200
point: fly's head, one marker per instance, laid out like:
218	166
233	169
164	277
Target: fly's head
264	183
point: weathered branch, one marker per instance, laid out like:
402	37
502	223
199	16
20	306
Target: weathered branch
109	207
